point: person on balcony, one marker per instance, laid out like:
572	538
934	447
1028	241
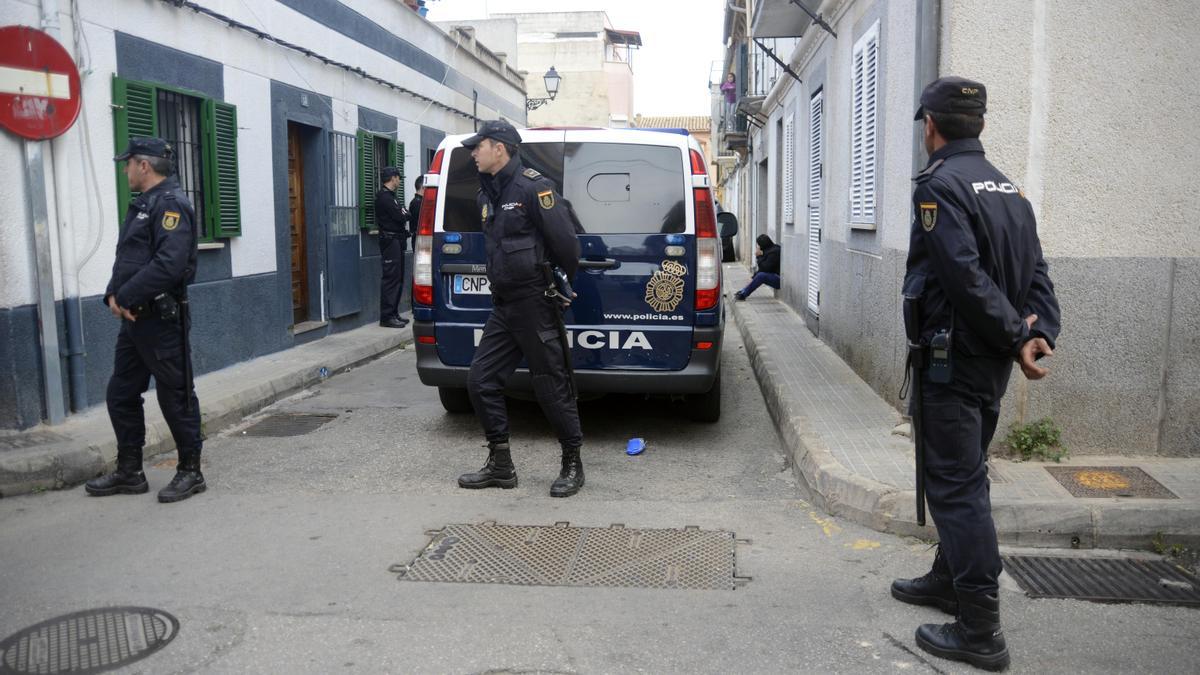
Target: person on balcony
729	89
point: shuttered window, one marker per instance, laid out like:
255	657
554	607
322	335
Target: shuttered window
203	132
816	159
376	151
864	90
789	170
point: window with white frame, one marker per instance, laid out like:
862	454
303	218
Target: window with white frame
864	103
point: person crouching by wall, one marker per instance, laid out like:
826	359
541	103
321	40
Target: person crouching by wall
767	269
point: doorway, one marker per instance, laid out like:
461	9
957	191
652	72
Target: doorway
762	220
297	226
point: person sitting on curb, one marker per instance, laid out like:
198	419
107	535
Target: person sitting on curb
767	270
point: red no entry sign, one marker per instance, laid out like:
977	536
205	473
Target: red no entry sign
39	84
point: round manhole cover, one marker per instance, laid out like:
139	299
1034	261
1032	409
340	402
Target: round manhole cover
91	641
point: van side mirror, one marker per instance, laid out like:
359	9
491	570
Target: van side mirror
729	224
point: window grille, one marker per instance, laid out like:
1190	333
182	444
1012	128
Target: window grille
179	125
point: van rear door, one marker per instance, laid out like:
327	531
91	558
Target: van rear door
635	285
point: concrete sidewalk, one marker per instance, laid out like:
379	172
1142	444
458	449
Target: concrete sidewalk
844	442
47	457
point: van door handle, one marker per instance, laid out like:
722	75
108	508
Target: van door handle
607	263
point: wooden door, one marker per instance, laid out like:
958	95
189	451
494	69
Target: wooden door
296	221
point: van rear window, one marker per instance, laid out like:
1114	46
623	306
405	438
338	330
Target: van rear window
462	211
616	188
620	188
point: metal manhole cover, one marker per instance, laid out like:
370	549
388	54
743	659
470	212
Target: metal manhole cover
1109	481
91	641
1104	579
577	556
291	424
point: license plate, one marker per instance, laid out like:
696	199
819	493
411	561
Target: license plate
471	284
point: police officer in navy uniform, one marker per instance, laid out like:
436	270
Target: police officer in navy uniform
524	224
982	288
393	239
155	262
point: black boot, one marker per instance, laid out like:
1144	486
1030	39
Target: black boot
187	481
570	479
497	472
935	588
128	479
975	638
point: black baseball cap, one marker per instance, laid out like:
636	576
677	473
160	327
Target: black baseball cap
148	146
388	172
953	95
497	130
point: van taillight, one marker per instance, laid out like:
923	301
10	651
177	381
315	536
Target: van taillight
708	249
698	164
422	291
435	167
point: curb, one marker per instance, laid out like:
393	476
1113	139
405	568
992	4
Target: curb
1102	523
63	465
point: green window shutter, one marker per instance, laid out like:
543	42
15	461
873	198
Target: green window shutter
135	113
368	179
222	199
398	162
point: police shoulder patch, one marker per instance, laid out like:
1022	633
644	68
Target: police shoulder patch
531	173
170	220
546	199
928	215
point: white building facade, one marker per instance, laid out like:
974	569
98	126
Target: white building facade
282	112
1081	115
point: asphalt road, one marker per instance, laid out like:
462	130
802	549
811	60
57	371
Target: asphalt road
283	565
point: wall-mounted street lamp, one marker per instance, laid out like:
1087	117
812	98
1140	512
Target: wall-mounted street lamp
552	79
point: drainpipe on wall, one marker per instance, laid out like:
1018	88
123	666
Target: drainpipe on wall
69	266
928	53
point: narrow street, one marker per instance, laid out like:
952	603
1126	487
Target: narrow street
283	565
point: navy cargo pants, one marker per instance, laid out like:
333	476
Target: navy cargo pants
391	287
959	420
523	328
152	347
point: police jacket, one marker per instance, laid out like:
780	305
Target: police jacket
156	249
974	259
524	223
389	214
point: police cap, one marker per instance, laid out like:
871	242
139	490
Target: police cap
388	172
497	130
148	146
953	95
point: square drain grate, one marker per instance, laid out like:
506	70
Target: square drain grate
561	555
1109	481
1104	579
288	425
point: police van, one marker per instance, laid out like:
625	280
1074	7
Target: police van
648	317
